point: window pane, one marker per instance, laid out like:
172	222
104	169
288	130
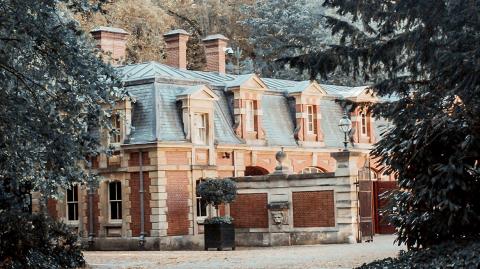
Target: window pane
75	193
119	190
113	210
69	195
72	209
112	191
119	209
249	116
364	124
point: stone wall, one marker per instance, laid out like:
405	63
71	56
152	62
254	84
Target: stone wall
299	208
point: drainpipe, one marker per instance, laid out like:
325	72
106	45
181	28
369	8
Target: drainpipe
90	205
142	209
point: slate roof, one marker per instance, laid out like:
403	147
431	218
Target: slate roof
157	115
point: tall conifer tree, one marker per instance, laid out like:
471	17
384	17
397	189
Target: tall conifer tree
426	55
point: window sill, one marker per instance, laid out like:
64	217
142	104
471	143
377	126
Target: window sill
113	224
72	223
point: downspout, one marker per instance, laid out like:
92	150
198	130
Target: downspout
90	205
142	209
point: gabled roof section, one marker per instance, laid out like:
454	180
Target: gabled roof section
307	87
364	93
151	70
202	92
249	81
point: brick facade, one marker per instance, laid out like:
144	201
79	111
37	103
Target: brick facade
96	214
176	157
250	211
134	159
177	203
52	207
313	209
135	203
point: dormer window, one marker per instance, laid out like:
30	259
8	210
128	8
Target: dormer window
310	119
200	123
249	116
363	123
115	135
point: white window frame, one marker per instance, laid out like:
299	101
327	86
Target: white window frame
363	123
201	217
116	134
310	119
200	124
73	202
117	202
249	116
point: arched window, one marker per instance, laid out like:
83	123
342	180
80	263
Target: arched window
312	170
255	171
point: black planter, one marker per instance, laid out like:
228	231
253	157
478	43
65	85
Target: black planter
219	236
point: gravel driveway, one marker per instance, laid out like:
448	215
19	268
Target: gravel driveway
311	256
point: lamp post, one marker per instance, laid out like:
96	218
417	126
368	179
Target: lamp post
345	125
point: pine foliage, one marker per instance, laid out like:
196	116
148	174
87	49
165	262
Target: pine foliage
54	91
426	55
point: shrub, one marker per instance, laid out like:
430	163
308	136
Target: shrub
219	220
465	254
37	241
217	191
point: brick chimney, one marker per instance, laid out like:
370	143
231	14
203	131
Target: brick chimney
176	41
111	40
215	52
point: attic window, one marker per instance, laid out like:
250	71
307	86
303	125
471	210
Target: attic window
115	135
200	126
364	123
249	116
310	120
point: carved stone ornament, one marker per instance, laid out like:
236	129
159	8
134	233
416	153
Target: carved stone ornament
279	217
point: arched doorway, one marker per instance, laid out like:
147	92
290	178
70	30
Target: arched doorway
255	171
312	170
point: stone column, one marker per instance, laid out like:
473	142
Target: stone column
346	170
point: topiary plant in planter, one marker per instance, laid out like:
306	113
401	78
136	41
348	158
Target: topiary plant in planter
219	231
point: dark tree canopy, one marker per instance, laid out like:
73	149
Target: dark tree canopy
425	54
53	92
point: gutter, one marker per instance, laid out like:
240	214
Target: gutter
142	207
90	206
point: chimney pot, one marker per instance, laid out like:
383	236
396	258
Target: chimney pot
111	40
176	41
215	52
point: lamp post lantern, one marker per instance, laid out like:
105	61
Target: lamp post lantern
345	125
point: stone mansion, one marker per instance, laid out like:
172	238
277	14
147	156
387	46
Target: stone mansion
179	126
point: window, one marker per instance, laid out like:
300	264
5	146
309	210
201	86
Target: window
310	120
201	204
115	200
200	126
364	123
311	170
72	203
115	133
249	116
